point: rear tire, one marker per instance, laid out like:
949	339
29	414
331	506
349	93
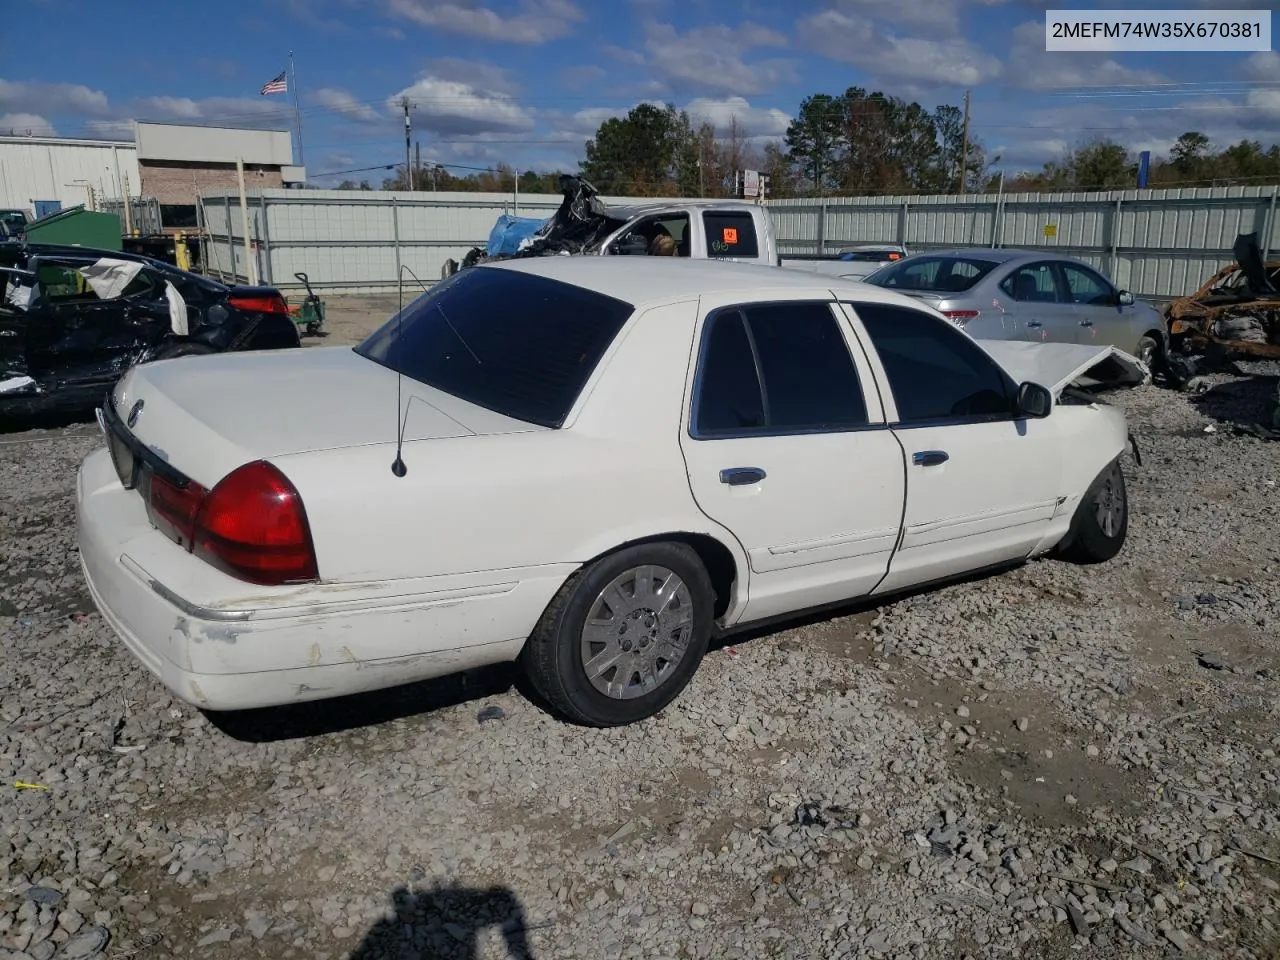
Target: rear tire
624	635
1101	523
1149	352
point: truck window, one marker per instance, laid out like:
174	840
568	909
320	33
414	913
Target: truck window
730	233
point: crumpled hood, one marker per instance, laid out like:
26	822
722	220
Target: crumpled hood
1060	365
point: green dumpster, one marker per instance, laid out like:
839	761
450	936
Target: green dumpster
78	227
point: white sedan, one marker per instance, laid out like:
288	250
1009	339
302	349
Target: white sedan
604	463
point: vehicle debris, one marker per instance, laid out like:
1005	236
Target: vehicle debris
1237	310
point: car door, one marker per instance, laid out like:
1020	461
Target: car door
15	292
982	485
1099	317
786	446
1040	310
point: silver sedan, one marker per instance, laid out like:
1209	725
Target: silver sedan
1028	295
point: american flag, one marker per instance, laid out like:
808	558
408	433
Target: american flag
277	85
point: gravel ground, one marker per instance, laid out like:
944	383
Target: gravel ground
1054	761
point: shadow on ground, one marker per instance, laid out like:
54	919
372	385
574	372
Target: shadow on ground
445	923
363	709
1242	403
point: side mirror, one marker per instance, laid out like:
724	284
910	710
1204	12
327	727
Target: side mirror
1034	401
1125	298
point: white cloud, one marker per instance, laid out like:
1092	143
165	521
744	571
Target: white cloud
850	39
474	73
346	105
581	77
454	108
1264	65
111	129
929	16
22	124
539	21
711	58
1031	67
177	107
752	122
53	98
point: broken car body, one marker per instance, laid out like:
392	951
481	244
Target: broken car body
72	320
1237	309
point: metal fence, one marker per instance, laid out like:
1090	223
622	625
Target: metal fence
144	213
346	240
1155	243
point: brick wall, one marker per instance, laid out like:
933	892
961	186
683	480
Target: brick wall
178	183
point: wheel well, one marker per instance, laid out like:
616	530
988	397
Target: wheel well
715	557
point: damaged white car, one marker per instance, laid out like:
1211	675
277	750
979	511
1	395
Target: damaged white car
602	465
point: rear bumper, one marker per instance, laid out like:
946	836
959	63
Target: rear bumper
274	646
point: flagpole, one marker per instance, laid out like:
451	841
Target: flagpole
297	110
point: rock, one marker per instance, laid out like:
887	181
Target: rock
45	896
1022	724
1108	865
700	910
90	942
1078	922
1212	660
962	711
220	935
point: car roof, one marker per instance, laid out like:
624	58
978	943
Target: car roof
645	281
993	254
629	211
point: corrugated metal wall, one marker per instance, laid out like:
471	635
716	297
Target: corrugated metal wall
344	240
1155	243
36	168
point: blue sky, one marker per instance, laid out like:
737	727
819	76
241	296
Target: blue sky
528	81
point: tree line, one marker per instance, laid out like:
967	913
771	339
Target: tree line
856	143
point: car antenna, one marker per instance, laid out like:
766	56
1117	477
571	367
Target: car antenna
398	465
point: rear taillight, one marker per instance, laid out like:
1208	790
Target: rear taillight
252	526
265	304
960	317
173	508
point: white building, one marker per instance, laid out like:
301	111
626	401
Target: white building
173	163
37	170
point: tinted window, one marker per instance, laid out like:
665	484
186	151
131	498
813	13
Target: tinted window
1085	286
1033	283
935	371
809	381
730	234
870	256
934	274
729	398
521	345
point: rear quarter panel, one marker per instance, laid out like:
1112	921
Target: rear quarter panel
613	474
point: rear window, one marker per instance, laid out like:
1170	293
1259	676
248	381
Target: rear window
730	234
520	345
932	274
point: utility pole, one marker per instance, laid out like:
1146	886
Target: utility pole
417	156
408	170
964	149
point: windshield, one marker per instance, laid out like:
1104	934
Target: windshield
518	344
932	274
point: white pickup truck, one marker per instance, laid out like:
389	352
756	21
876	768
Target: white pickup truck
734	230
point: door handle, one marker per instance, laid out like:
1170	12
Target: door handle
741	476
1034	323
929	458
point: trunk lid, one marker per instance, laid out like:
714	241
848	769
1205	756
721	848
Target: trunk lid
207	415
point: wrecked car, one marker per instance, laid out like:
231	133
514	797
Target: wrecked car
733	230
798	442
73	319
1237	310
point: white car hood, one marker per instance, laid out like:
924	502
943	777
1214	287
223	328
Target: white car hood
1059	365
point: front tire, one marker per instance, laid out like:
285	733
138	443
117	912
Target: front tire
624	635
1101	523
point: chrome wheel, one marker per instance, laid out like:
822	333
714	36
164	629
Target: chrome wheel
1109	506
636	632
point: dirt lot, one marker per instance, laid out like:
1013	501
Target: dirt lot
1053	762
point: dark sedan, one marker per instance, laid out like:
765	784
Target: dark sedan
72	320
